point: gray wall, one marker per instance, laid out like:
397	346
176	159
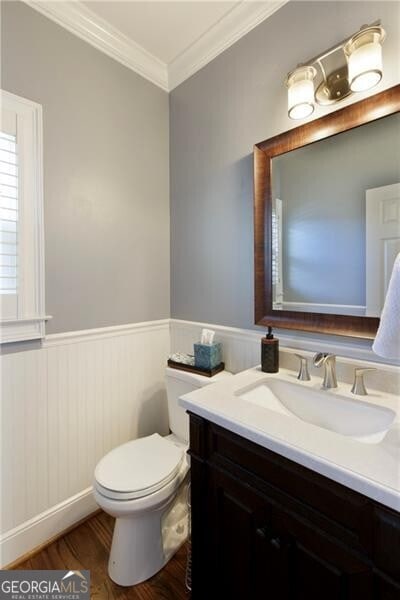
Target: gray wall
322	187
106	175
216	116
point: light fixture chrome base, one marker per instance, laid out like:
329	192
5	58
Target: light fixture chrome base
335	88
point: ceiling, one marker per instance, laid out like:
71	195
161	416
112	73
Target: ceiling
164	41
165	29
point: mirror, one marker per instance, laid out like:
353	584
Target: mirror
327	219
326	232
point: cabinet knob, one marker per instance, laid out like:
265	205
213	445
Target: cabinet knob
275	543
262	532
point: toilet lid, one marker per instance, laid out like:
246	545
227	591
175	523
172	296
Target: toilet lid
139	467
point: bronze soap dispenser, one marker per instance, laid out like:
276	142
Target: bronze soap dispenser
269	353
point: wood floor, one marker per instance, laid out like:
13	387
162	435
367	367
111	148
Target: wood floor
87	547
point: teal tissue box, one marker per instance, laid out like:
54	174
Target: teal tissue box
207	356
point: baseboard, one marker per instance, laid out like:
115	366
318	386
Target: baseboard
45	527
16	564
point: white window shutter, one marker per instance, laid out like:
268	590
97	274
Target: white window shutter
21	220
8	215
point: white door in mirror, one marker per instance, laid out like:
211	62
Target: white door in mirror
382	243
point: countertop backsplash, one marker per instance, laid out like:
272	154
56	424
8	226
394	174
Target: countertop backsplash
241	349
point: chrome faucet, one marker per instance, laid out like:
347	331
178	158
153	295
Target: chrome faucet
329	362
359	385
303	374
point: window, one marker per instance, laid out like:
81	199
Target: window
277	256
21	220
8	216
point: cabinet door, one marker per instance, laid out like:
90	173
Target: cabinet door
385	588
262	551
318	566
240	557
314	575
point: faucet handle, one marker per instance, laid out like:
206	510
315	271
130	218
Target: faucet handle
359	385
320	358
329	362
303	374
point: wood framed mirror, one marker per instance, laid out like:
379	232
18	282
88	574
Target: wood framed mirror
312	261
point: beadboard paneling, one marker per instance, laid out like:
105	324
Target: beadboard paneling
65	405
68	403
241	347
241	350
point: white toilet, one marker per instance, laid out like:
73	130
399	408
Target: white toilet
143	484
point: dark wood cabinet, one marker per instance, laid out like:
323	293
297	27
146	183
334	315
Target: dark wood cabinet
264	527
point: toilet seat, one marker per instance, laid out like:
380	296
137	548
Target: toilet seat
138	468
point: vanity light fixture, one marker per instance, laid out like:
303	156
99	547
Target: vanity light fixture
353	65
364	57
301	92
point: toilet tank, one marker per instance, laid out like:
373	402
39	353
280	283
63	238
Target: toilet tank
179	383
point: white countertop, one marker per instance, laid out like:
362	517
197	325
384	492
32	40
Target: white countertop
371	469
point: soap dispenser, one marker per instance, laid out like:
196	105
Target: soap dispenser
269	353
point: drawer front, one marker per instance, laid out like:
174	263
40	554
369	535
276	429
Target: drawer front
343	512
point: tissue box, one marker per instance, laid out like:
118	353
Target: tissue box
207	356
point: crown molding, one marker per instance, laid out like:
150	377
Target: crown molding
228	30
77	18
80	20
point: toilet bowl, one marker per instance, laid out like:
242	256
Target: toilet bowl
148	503
143	484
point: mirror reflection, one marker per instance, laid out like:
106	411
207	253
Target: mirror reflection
336	221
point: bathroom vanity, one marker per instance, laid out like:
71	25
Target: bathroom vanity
282	509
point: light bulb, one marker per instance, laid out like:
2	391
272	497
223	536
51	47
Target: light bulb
364	53
301	92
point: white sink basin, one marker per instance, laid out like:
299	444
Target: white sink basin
362	421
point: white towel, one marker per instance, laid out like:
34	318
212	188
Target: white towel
387	341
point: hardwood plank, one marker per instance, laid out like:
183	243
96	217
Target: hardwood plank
87	547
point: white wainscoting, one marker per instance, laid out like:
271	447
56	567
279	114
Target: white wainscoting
82	393
241	350
242	346
63	407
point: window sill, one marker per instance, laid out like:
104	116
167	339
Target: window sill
20	330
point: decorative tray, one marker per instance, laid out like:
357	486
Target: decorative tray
197	370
